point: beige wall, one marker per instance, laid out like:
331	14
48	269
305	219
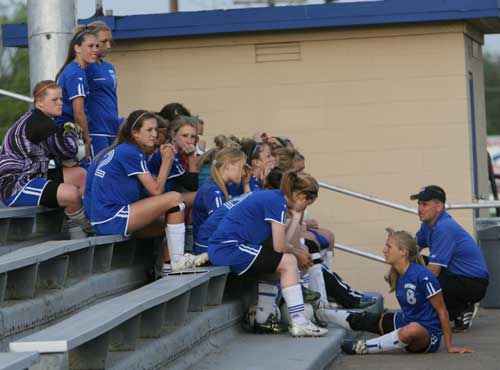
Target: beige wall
377	110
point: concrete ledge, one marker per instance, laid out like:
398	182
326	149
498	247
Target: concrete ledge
18	361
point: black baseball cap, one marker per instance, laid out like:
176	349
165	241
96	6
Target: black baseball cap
430	192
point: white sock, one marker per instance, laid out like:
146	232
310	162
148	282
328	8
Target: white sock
266	300
337	317
384	343
317	282
327	259
304	279
81	219
293	298
175	238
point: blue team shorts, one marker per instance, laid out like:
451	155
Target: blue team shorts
117	224
323	242
199	248
435	342
238	256
29	195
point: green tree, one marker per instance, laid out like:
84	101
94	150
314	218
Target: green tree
14	69
492	92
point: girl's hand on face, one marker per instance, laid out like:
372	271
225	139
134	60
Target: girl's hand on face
294	213
188	149
167	152
246	174
265	172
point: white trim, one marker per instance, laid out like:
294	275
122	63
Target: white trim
273	220
109	219
432	295
40	197
103	135
439	264
136	173
251	263
126	224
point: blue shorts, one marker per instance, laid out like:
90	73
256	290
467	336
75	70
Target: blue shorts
100	142
116	225
199	248
238	256
323	242
435	342
29	195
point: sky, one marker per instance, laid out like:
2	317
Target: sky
86	8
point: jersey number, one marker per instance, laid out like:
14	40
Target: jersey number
410	297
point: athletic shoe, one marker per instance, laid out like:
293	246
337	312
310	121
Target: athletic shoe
308	329
310	313
365	301
310	296
464	321
167	268
271	326
189	260
354	347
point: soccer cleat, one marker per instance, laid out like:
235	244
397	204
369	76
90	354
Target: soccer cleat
189	260
310	296
354	347
464	321
271	326
308	329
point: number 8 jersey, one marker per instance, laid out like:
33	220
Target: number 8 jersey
413	291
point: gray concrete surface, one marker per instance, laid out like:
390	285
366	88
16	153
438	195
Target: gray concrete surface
483	338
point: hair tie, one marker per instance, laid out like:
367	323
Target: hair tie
42	89
214	162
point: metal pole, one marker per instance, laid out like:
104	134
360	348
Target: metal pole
50	29
16	96
369	198
351	250
174	6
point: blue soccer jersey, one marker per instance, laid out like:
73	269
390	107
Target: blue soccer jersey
115	184
210	225
102	103
73	82
452	247
208	198
413	291
238	239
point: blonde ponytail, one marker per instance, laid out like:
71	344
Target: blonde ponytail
223	157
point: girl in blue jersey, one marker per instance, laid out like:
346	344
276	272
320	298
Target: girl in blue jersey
227	167
423	318
25	177
114	204
260	160
102	102
238	241
72	78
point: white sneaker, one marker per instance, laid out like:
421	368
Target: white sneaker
189	260
307	329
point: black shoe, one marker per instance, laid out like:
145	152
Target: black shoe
310	296
271	326
464	321
354	347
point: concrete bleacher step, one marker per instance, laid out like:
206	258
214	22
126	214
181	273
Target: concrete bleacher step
92	338
26	223
18	361
43	283
272	352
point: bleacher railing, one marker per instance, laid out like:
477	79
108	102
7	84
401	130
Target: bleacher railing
400	207
16	96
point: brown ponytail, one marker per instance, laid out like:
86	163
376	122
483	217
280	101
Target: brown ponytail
294	182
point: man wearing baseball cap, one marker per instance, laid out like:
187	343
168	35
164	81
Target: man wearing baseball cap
454	256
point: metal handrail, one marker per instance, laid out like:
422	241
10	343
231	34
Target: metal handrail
369	198
357	252
25	98
401	207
